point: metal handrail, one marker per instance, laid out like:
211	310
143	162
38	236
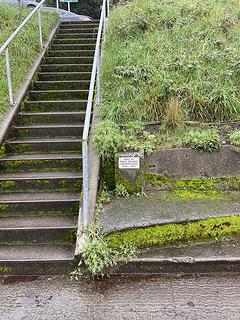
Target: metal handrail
95	78
5	49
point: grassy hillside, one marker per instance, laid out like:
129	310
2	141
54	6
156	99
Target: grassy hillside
23	49
172	61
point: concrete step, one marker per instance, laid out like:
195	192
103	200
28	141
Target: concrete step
68	60
46	95
74	40
66	67
63	76
42	259
38	229
88	22
71	53
92	26
77	30
64	47
41	162
54	106
218	256
44	145
49	130
73	117
44	202
76	34
40	181
62	85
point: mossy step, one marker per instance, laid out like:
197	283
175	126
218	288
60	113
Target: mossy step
37	229
73	46
168	208
75	41
39	259
61	85
40	181
77	34
64	76
70	53
48	130
51	117
39	201
77	30
43	145
84	67
68	60
58	95
41	162
54	106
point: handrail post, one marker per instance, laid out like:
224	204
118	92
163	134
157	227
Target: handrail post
9	77
40	28
98	79
85	183
104	22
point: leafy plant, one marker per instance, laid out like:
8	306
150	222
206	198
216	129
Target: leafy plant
98	254
121	191
208	140
235	138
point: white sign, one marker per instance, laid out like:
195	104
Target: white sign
129	162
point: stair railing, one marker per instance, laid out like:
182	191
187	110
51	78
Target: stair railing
95	79
5	47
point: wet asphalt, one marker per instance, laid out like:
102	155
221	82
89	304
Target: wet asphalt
195	297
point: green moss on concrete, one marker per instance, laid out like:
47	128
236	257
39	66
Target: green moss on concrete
174	234
2	150
130	187
166	182
7	185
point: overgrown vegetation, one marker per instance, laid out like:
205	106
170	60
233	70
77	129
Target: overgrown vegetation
171	63
168	60
23	49
98	254
172	234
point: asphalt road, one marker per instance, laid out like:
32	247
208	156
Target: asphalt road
164	298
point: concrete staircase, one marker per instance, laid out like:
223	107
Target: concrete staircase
40	171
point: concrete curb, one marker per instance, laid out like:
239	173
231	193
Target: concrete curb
213	257
11	114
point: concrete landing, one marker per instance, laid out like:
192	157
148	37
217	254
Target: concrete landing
135	212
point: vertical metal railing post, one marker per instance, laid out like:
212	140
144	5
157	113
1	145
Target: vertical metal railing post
108	8
98	98
104	23
85	184
40	28
9	77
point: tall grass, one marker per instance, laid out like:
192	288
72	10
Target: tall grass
24	48
160	51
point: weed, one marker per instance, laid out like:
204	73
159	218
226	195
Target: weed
121	191
235	138
208	140
98	254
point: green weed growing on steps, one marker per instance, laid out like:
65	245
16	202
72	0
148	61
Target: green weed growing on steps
24	49
98	254
180	50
